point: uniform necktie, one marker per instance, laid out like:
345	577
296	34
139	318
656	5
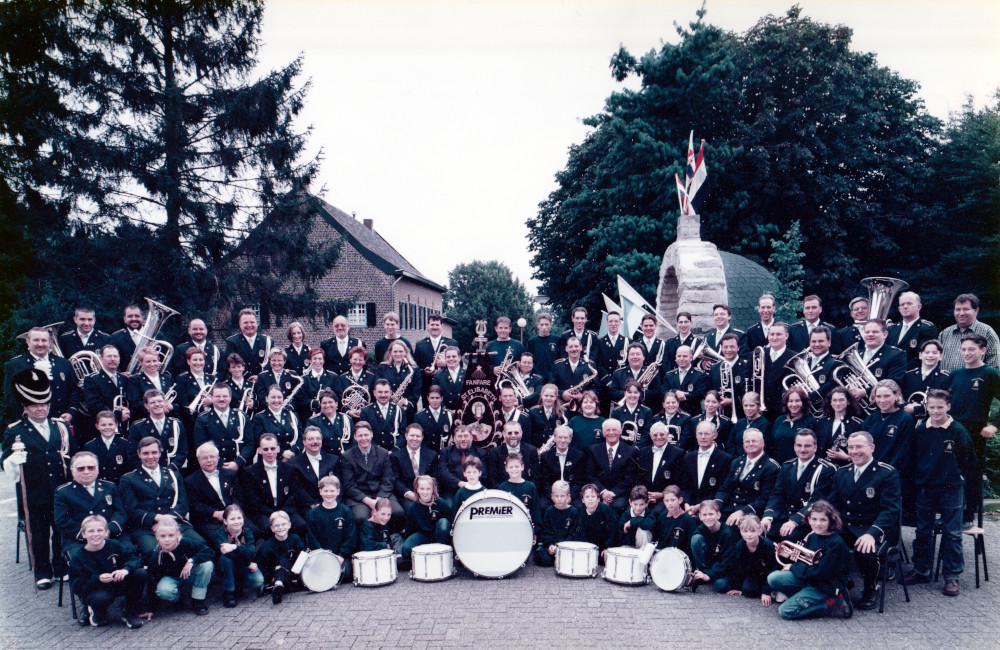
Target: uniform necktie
801	469
857	474
611	456
747	466
416	465
562	464
463	458
92	489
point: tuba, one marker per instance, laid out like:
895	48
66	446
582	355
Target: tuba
802	376
155	317
881	293
510	376
855	374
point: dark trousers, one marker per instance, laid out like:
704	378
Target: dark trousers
868	563
46	541
130	588
947	502
363	512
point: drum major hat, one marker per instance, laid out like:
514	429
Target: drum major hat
31	386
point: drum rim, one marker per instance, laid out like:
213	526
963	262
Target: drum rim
317	553
477	497
674	552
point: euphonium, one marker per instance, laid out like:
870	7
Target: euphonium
802	376
709	357
881	293
855	374
85	363
156	315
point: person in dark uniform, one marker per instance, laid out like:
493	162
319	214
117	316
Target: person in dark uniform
634	416
654	349
87	495
278	421
680	425
240	387
496	458
37	449
612	466
927	375
821	362
867	494
169	431
428	519
450	378
660	464
367	475
193	395
339	346
842	418
210	491
544	347
891	428
586	337
411	461
429	351
356	381
152	494
503	348
650	390
390	322
945	459
751	420
757	333
228	428
560	462
508	410
560	523
198	338
316	379
912	331
749	481
794	417
722	316
883	361
686	382
738	373
311	465
397	369
149	377
845	337
573	375
128	337
297	352
437	422
83	336
524	373
452	460
270	485
276	374
103	570
798	479
776	357
710	413
115	454
336	428
706	467
546	416
684	337
253	348
105	391
611	350
63	386
800	332
386	421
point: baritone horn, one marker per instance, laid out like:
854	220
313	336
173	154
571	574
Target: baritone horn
881	293
156	315
855	374
709	357
802	376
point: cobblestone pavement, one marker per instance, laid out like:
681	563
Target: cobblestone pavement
532	608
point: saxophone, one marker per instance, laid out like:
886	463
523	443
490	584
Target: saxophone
397	396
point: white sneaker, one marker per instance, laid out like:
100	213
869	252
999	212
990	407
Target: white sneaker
780	597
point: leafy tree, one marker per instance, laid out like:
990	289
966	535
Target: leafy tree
166	153
798	128
786	260
485	291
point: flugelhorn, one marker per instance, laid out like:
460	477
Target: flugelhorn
802	376
881	293
796	553
156	315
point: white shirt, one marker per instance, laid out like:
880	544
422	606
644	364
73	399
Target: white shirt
802	467
272	478
159	424
776	354
657	455
561	456
154	474
251	340
43	364
749	465
155	380
858	471
223	415
92	488
213	480
135	335
703	458
314	461
84	338
42	428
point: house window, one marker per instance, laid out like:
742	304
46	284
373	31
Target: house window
423	317
357	315
403	316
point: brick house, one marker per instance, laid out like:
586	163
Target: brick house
377	275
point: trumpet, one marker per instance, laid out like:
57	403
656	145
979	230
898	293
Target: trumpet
758	375
855	374
170	395
206	390
796	553
802	376
157	314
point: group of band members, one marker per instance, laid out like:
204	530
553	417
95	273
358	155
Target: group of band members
259	426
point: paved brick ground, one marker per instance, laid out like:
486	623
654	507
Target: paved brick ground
532	608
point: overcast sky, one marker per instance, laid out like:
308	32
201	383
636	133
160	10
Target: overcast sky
446	121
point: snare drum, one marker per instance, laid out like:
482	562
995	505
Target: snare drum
492	534
320	571
432	562
576	559
670	569
374	568
624	566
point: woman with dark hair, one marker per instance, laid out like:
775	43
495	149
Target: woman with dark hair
752	419
843	417
794	405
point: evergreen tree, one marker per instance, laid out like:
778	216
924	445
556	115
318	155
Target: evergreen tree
786	262
485	291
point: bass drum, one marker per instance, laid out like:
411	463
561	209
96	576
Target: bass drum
492	534
670	569
321	571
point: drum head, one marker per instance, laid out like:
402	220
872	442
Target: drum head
670	569
431	549
321	571
581	546
493	534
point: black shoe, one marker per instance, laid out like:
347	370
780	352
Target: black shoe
43	584
911	577
228	599
199	607
132	621
842	607
869	599
94	619
277	592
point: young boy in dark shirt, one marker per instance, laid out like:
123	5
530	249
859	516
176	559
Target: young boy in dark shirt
472	470
103	570
712	547
524	490
753	562
674	527
237	556
177	562
636	524
278	554
560	523
598	521
331	525
375	535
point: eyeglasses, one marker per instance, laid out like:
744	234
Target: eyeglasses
85	468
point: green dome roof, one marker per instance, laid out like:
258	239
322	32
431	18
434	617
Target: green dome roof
745	282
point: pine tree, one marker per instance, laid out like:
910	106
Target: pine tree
786	262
